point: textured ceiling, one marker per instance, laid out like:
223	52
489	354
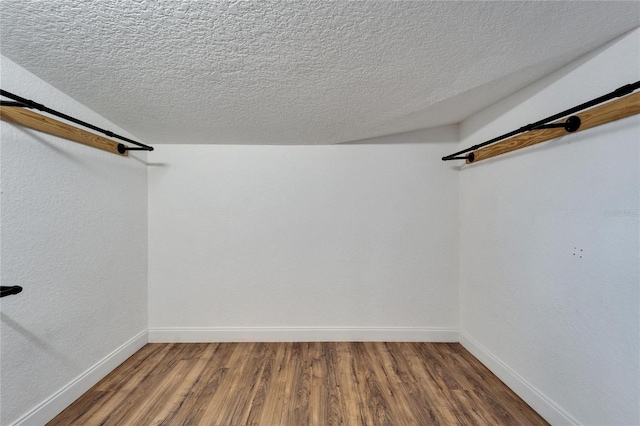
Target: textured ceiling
306	72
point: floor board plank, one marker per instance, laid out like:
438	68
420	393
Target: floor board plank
301	383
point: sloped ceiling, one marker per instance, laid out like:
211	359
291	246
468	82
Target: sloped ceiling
297	72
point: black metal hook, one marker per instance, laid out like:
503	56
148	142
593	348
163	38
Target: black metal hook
9	290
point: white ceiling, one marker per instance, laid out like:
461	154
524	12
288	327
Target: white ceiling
303	72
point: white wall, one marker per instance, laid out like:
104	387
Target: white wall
549	254
74	235
355	242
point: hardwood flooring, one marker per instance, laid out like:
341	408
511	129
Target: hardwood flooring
300	384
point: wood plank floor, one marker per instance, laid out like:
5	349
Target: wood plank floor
300	384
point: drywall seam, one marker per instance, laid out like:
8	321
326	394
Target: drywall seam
542	404
302	334
56	403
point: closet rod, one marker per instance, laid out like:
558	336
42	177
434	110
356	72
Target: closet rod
572	124
46	124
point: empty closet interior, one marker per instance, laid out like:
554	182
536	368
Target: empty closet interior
238	212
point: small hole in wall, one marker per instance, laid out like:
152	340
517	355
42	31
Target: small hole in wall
578	252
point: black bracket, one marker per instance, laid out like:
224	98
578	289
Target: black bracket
571	125
9	290
470	157
123	148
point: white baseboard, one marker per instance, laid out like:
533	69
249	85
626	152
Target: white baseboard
302	334
60	400
543	405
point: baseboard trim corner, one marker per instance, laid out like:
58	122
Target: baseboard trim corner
56	403
543	405
301	334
